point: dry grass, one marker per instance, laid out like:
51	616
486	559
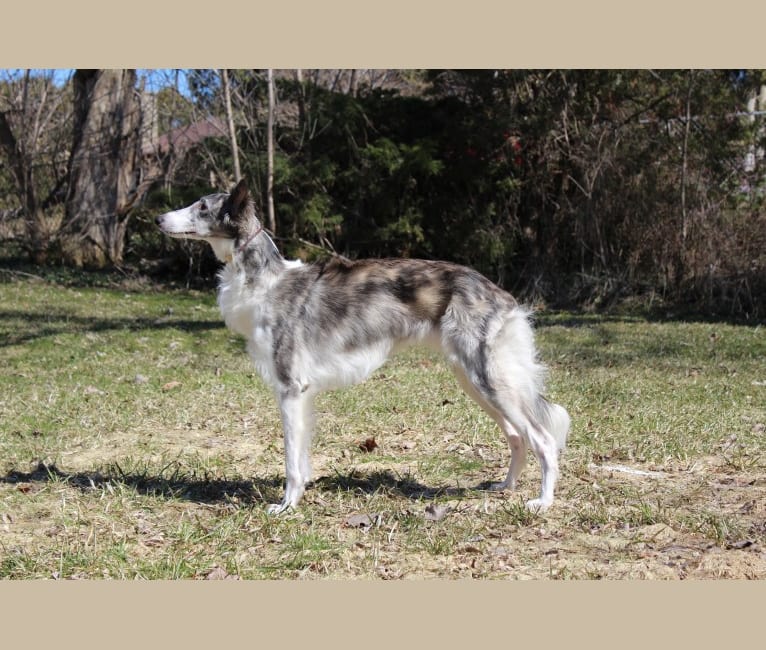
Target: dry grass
136	441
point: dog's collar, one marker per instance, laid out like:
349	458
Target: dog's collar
241	248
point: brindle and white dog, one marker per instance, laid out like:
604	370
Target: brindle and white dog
313	327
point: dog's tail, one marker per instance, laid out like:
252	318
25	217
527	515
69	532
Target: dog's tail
554	418
520	372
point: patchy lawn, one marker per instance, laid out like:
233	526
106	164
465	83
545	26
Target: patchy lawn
137	441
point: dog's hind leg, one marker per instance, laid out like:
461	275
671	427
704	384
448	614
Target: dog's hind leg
557	423
503	371
516	385
298	424
545	449
523	430
518	458
516	443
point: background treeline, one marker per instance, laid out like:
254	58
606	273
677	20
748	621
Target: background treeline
576	187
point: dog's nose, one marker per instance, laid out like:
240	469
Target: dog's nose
158	220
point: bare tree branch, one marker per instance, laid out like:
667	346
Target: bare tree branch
270	153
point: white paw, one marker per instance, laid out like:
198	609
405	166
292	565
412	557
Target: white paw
278	508
537	505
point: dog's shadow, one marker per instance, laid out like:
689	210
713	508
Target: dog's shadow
385	482
174	485
221	490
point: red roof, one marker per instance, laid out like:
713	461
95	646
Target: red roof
183	137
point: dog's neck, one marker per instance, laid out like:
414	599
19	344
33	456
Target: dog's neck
253	253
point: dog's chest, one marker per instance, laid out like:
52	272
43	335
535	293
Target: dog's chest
243	306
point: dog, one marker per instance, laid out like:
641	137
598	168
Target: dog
329	324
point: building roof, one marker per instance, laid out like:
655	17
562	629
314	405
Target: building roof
183	137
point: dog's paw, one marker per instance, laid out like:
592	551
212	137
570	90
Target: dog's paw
278	508
537	505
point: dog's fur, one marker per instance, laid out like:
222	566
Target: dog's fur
313	327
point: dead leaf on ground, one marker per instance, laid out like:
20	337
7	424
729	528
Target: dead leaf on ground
171	385
501	551
436	512
742	544
154	540
219	573
362	520
368	445
92	390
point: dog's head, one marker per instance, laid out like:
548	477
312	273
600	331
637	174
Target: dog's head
213	217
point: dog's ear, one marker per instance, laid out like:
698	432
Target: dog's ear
239	197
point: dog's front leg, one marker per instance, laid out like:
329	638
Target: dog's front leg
297	424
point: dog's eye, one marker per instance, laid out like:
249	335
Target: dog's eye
202	206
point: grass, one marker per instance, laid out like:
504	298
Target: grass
136	441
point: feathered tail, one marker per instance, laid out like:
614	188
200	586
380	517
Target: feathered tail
556	419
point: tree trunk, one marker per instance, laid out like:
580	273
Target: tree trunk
301	104
21	151
683	262
270	153
230	122
353	82
103	168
